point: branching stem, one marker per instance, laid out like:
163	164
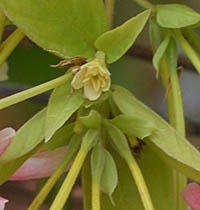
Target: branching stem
7	47
110	4
192	55
41	196
140	182
2	23
69	182
177	120
26	94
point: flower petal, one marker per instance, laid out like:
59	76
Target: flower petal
3	202
77	80
96	84
191	195
40	165
90	93
105	84
6	136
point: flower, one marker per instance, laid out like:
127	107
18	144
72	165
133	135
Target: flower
40	165
3	201
93	77
191	195
6	136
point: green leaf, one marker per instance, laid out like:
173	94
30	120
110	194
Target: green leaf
27	138
176	16
156	33
97	163
61	137
90	139
66	28
113	108
160	53
158	177
160	188
173	147
93	120
109	178
134	126
117	138
62	104
116	42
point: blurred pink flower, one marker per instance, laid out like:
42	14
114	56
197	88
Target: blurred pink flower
191	195
3	201
6	136
40	165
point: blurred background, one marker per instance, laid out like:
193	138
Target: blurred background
29	65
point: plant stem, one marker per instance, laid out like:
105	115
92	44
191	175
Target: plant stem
139	180
179	179
95	196
165	80
19	97
7	47
180	182
110	5
177	103
2	23
192	55
179	123
41	196
178	119
86	183
69	182
192	38
144	3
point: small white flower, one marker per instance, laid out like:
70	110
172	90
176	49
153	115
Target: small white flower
93	77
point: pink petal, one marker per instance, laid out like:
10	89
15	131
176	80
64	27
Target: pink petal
40	165
191	195
6	136
3	202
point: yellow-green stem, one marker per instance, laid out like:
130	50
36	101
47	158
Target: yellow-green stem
71	151
7	47
2	23
192	37
19	97
110	4
140	182
178	119
95	195
69	182
180	182
179	179
192	55
165	80
144	3
179	123
41	196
